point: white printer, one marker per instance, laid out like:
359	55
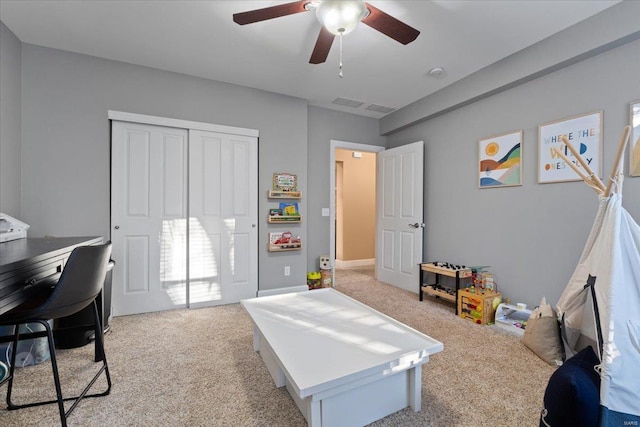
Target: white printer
11	228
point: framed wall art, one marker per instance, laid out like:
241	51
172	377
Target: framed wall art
634	140
500	162
584	132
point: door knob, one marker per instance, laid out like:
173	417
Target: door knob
117	227
417	225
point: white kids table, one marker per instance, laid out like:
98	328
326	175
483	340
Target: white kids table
343	363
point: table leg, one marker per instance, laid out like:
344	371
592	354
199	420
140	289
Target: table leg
315	417
421	281
256	339
261	345
415	388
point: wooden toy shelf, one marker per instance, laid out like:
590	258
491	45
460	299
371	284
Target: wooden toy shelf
438	292
435	289
285	194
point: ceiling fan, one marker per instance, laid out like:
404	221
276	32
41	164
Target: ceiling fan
338	17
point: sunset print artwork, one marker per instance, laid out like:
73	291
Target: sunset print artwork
501	160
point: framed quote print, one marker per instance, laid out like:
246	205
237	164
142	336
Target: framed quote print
500	163
584	132
634	142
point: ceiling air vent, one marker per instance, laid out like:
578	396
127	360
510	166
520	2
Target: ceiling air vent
379	108
347	102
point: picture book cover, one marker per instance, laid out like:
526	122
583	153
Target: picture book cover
289	208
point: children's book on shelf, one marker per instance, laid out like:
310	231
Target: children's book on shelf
285	182
284	240
289	208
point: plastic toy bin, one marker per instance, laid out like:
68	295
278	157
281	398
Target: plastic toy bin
30	352
511	318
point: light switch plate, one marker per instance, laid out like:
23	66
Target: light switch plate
325	211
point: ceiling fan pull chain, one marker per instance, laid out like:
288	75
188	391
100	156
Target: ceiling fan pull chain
340	73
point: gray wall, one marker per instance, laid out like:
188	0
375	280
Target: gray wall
325	125
615	26
65	140
10	123
65	143
530	235
533	235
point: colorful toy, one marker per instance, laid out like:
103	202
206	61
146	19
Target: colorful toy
314	279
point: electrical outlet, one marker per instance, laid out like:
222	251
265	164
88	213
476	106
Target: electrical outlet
287	270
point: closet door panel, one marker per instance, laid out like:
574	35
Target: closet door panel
223	175
137	172
174	174
241	269
240	178
244	200
205	231
148	214
210	187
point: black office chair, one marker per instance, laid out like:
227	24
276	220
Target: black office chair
79	284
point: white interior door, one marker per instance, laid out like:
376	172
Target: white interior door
148	217
399	223
223	213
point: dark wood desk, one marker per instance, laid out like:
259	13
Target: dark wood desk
26	264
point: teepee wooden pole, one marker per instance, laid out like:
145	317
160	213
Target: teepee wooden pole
617	162
577	170
573	166
592	176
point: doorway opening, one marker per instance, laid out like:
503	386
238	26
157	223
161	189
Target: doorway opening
352	204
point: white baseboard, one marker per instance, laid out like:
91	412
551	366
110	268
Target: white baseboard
355	263
278	291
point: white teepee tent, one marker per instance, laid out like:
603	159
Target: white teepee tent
609	271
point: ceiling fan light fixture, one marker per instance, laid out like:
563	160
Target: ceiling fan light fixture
341	16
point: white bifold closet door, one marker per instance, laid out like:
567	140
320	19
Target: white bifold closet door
223	205
183	216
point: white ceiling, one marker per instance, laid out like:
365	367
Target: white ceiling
199	38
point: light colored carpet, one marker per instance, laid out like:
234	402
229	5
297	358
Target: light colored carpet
198	368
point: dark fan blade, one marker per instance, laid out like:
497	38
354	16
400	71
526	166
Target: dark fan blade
390	26
323	45
258	15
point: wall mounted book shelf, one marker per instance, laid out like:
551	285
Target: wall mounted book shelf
285	194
